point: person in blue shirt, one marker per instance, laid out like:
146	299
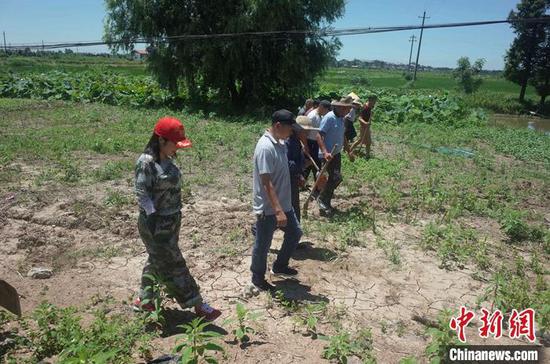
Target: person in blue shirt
332	135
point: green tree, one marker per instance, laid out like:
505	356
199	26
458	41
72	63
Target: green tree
467	74
520	58
241	70
541	71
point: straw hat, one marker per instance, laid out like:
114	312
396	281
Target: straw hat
344	101
356	99
306	123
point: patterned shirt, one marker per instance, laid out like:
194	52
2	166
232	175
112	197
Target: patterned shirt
158	186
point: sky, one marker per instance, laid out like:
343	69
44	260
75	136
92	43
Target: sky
34	21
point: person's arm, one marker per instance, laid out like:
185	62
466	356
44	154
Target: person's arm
323	147
363	121
272	197
144	186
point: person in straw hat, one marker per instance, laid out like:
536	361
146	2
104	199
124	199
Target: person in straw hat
295	144
332	135
365	117
349	120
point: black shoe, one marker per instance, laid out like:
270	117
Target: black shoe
323	205
285	272
325	209
264	286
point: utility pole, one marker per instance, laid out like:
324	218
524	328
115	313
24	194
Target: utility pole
419	45
412	39
5	48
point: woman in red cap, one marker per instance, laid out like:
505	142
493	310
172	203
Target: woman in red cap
158	188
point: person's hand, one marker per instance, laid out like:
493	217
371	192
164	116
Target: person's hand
151	221
281	218
327	156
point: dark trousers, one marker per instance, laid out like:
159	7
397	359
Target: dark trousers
266	225
334	171
314	151
295	195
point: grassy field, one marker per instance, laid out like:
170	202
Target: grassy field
333	78
418	232
341	77
71	63
495	95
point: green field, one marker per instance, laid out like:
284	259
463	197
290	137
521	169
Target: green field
333	77
340	77
70	63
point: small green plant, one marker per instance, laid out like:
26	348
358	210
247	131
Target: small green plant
513	225
510	290
442	337
341	346
57	331
197	343
391	250
117	199
408	360
310	317
455	245
56	328
244	318
70	171
287	304
159	291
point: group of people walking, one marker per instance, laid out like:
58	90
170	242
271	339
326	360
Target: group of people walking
289	151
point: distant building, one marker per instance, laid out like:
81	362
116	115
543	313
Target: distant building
139	55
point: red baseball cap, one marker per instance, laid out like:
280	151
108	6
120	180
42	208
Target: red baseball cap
173	130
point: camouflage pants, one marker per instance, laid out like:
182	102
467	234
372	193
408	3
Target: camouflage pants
160	235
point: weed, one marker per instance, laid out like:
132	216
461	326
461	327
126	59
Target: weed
117	199
197	343
342	346
442	338
243	318
159	291
287	304
455	245
310	316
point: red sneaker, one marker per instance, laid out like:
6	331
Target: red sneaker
207	312
138	307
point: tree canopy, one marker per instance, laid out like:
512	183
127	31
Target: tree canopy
242	70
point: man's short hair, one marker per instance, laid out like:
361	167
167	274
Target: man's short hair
372	98
325	103
316	103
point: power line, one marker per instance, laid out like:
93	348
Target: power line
280	34
419	45
412	40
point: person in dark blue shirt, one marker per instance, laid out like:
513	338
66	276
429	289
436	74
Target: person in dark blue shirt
296	159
